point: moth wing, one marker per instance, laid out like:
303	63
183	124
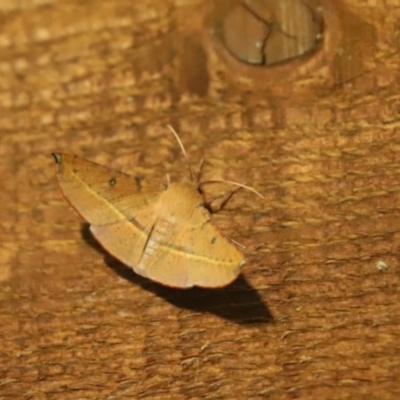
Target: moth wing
126	239
214	260
190	253
101	195
124	218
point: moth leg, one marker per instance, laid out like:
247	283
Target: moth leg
148	240
237	243
213	209
158	234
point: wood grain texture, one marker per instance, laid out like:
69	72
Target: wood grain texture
315	314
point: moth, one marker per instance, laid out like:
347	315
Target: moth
164	232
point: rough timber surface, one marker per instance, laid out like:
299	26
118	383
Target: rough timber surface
316	312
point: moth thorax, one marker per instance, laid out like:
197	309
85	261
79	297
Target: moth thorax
183	195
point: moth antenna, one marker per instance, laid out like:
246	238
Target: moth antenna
233	183
182	148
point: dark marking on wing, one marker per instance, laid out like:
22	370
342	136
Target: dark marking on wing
138	180
112	182
57	158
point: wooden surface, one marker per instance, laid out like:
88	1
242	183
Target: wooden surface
315	314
